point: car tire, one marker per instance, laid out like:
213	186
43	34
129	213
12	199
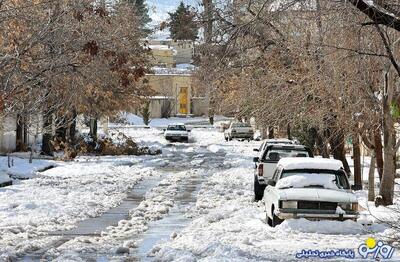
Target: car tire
275	219
258	190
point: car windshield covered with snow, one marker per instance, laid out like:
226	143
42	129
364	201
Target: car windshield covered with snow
176	128
315	178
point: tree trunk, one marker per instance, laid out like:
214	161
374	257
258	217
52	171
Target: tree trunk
93	128
378	153
337	149
289	132
371	179
47	134
322	147
20	136
72	128
357	163
386	190
271	134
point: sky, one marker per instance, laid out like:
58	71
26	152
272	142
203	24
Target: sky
159	11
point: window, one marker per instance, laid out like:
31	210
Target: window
176	128
340	178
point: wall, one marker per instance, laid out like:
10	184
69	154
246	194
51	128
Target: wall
167	86
7	134
199	106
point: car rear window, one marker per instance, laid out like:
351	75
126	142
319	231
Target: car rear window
176	128
240	125
277	153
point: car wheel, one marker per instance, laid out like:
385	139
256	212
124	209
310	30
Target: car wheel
258	190
275	220
226	139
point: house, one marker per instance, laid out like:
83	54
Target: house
172	80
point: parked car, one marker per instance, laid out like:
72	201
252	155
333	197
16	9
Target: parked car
239	130
177	132
275	141
311	188
266	162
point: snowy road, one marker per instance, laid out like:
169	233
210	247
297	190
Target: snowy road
192	203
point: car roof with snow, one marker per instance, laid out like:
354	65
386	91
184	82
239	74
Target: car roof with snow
176	124
279	141
292	163
288	146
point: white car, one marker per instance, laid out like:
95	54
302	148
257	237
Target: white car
312	188
267	160
177	132
239	130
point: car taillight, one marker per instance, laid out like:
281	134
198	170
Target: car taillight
260	170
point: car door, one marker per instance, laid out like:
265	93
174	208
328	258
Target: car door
270	194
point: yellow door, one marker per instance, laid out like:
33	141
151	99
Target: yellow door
183	100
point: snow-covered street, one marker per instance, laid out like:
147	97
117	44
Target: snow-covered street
194	202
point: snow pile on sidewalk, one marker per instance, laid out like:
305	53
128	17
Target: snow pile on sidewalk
60	197
22	169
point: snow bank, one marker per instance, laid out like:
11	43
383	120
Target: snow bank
347	227
304	180
22	169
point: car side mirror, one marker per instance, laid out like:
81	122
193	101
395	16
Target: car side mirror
271	183
256	150
256	159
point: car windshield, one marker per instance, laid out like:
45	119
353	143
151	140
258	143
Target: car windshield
240	125
277	153
338	177
176	128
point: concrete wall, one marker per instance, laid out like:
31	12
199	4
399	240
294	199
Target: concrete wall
8	126
199	106
7	134
183	50
168	86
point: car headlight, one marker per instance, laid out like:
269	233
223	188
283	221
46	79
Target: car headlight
345	206
289	204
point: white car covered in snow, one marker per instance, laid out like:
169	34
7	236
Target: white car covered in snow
177	132
239	130
312	188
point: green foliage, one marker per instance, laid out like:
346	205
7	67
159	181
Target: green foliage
395	110
183	24
142	12
146	112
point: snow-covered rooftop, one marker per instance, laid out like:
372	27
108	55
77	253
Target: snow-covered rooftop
310	163
172	71
161	47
